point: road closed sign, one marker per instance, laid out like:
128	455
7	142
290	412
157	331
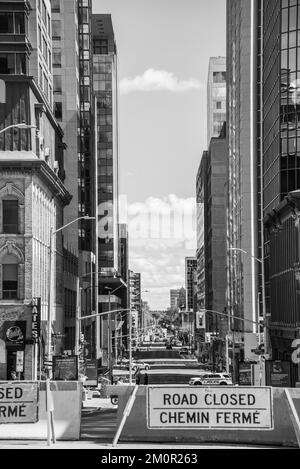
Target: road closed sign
18	402
216	408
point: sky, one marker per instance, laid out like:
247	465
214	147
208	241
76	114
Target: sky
163	54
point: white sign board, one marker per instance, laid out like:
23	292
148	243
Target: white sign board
180	407
20	361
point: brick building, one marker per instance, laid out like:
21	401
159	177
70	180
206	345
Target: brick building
32	193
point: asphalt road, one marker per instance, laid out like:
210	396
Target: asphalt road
98	428
98	425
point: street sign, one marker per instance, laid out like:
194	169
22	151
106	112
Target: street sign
65	368
36	319
214	408
18	402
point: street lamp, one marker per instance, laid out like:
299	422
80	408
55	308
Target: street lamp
233	345
109	329
122	310
50	291
261	261
22	125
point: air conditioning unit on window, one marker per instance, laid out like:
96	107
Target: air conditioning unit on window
56	167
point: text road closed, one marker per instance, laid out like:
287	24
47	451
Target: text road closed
18	402
217	408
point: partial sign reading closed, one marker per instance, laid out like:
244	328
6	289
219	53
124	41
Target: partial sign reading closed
18	402
215	408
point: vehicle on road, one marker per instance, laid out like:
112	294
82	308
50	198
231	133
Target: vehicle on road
136	365
214	379
166	375
140	365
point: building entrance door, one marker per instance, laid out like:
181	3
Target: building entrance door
12	372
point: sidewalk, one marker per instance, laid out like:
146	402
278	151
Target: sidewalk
12	445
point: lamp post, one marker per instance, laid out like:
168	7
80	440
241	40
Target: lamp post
49	402
261	261
109	329
233	317
122	310
50	290
22	125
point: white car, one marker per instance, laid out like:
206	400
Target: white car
213	379
140	365
136	365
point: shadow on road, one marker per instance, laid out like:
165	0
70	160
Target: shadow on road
98	425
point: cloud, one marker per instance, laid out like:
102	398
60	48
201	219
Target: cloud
161	258
171	219
158	80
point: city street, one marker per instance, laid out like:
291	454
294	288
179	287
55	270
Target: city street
98	425
149	226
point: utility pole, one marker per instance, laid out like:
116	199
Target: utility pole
78	325
49	309
109	332
130	347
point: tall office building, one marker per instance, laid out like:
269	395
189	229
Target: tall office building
191	283
216	97
242	184
105	88
264	164
280	148
73	108
135	298
174	298
105	67
215	235
201	197
32	193
182	298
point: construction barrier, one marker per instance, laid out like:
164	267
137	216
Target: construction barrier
233	415
23	410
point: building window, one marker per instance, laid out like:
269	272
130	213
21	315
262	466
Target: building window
10	278
6	23
100	46
55	5
7	64
219	105
56	29
57	89
219	77
10	216
19	23
56	58
58	110
20	64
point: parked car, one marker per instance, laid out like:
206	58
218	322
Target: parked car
219	379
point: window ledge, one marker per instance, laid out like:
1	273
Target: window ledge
11	302
11	235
